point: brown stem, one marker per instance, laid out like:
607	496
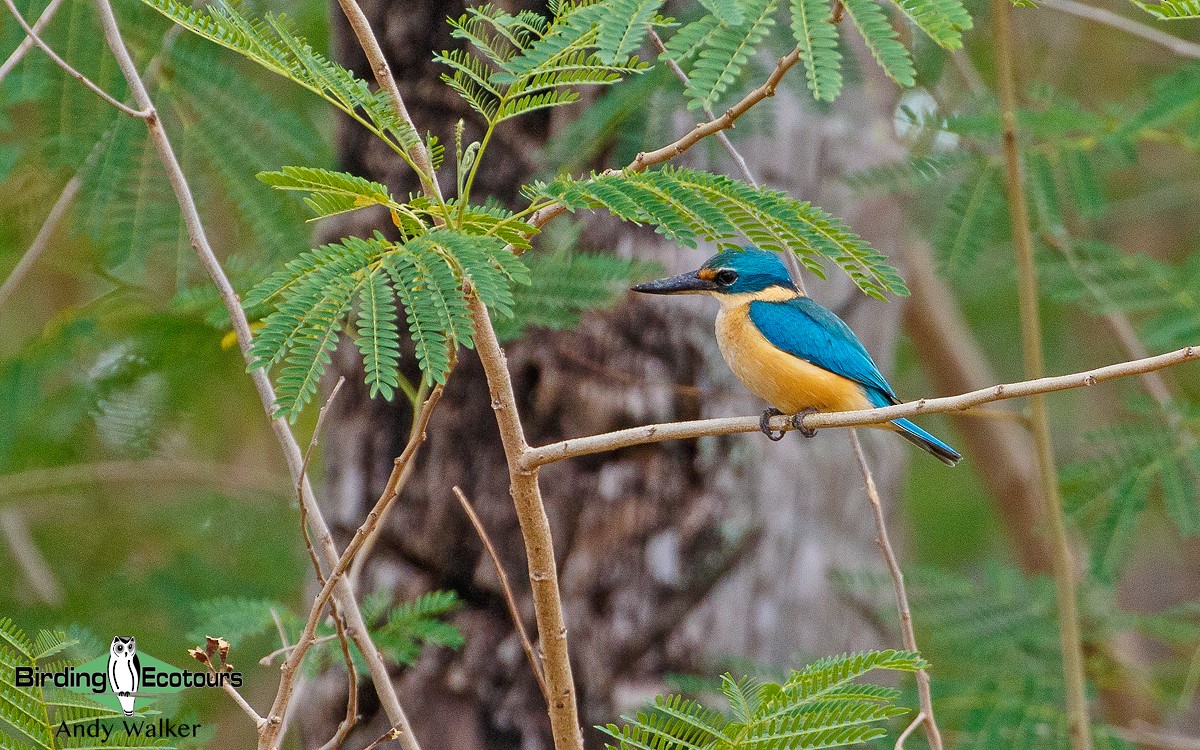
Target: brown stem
535	529
27	43
953	361
509	599
906	626
1063	565
356	628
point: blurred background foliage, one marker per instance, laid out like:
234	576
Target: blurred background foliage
137	476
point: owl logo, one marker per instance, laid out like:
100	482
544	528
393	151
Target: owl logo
124	670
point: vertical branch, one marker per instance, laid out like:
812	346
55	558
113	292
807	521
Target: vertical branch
535	530
344	597
1031	335
906	627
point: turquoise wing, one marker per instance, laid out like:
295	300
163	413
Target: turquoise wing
805	329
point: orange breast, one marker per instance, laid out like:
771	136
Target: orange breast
784	381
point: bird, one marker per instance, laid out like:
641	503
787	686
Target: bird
788	349
124	670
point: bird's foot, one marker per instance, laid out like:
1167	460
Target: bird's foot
764	424
798	422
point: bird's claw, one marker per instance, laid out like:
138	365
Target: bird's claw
764	424
798	422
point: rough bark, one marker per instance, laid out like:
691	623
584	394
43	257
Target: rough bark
669	554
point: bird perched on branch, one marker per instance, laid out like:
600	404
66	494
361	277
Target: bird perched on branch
787	349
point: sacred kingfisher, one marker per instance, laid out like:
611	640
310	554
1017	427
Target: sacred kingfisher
790	351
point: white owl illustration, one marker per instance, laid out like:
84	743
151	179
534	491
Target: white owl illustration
124	670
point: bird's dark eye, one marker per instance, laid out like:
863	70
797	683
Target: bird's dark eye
726	276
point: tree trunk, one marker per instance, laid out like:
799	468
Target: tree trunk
669	554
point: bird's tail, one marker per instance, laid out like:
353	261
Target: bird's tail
927	442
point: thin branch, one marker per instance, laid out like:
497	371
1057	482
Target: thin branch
27	43
647	159
1062	562
793	263
535	531
32	33
287	648
287	441
657	433
383	76
303	479
147	470
259	721
509	599
71	190
738	160
1179	46
337	578
42	240
28	557
1145	735
916	722
893	566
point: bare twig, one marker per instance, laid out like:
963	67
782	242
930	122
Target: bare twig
916	722
906	627
28	557
1062	562
32	33
647	159
337	575
156	470
287	441
738	160
657	433
383	76
509	599
1179	46
287	648
303	479
535	530
27	43
42	240
1144	735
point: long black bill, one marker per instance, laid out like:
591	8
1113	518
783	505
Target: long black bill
684	283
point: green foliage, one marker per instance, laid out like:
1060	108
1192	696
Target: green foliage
30	717
314	292
526	62
817	38
330	193
716	48
882	40
272	43
819	706
401	632
726	51
1171	10
687	205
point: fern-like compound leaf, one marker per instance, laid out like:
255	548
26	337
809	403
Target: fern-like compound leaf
882	40
726	54
622	27
378	338
943	21
689	205
329	192
817	38
1171	10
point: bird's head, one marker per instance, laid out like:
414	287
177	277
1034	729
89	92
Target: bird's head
747	271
